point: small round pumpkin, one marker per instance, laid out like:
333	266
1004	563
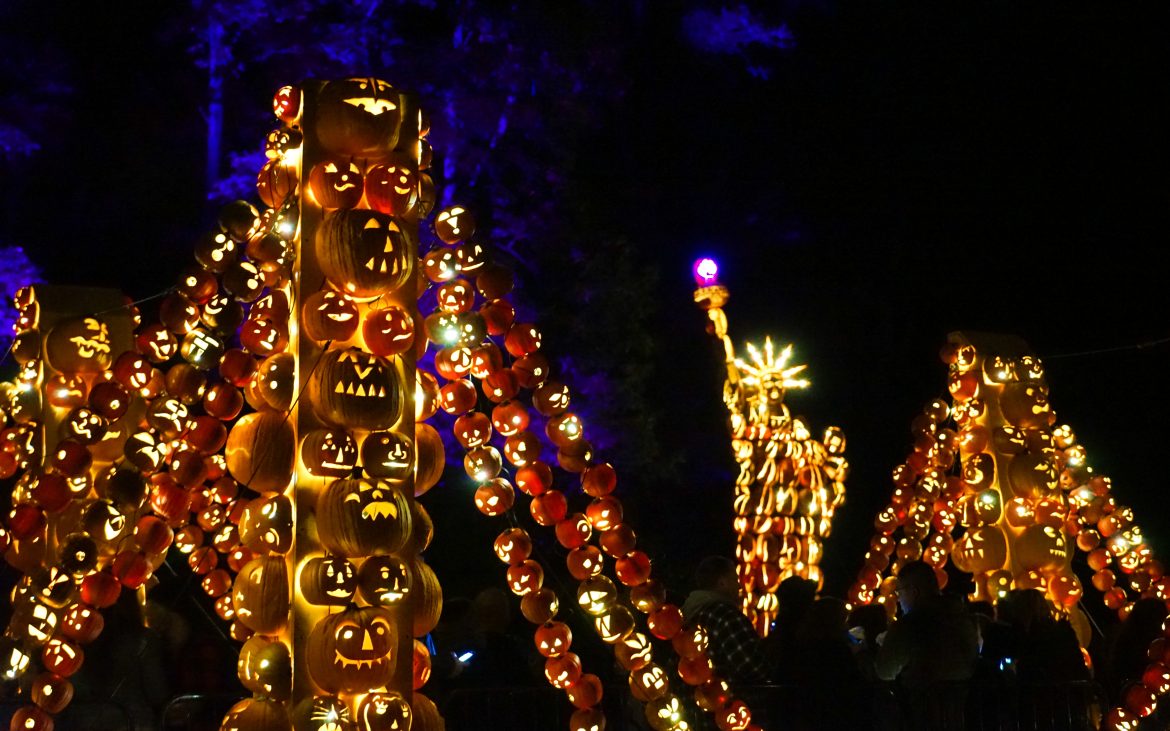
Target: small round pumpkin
426	597
329	315
328	580
265	667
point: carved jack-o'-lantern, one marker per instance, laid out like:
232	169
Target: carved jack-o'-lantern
355	389
336	184
392	188
34	620
1042	547
328	315
265	667
353	650
384	580
980	550
363	517
1032	475
359	117
329	580
1026	405
388	455
388	331
329	452
261	451
363	253
256	714
80	345
384	712
267	524
260	594
454	225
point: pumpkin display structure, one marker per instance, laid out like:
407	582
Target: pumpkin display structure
789	484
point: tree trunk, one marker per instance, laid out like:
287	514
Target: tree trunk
216	63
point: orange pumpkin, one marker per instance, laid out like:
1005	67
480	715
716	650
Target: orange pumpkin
363	253
354	389
261	451
260	594
363	517
353	651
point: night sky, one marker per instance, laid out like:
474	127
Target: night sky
905	170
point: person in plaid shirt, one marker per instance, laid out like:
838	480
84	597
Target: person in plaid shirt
735	649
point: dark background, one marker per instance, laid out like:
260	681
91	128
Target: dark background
901	171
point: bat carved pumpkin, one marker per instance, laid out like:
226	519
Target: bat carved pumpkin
363	517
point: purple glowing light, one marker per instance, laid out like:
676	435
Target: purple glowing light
706	271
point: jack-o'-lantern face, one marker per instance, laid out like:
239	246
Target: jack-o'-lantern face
649	682
62	657
80	345
362	252
329	580
336	184
553	639
665	712
355	389
103	521
352	650
1026	405
456	296
736	716
265	667
329	315
360	517
14	661
470	258
392	188
454	224
997	369
53	586
329	452
267	524
329	713
441	265
359	117
1029	368
35	620
371	499
280	141
596	595
384	581
286	104
82	623
388	455
384	712
84	425
1042	547
388	331
980	550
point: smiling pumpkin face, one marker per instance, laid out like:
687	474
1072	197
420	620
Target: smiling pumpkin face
329	580
353	650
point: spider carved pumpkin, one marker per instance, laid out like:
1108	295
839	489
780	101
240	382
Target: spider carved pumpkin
363	517
328	581
362	253
353	650
354	389
359	117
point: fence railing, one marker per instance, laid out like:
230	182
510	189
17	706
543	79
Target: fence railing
982	706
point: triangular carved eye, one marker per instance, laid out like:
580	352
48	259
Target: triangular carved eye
374	223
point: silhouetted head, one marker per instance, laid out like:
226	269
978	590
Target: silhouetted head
916	582
717	574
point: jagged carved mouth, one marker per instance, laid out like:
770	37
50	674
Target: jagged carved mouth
345	662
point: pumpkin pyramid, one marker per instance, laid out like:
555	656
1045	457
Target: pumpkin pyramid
998	490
